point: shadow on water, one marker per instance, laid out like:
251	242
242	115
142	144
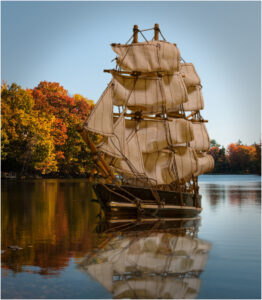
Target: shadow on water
148	258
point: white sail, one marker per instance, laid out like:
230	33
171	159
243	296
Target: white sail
149	94
156	135
164	167
132	163
205	163
186	163
190	75
195	99
201	140
101	118
159	167
148	56
114	145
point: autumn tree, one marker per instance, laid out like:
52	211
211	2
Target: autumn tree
72	154
244	159
26	140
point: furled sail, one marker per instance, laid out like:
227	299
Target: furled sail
201	140
148	57
148	93
101	118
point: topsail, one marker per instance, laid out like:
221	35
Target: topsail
150	56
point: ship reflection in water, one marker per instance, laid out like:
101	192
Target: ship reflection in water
150	258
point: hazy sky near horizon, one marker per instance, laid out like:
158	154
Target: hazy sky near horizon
69	43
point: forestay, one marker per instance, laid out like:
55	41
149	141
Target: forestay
148	57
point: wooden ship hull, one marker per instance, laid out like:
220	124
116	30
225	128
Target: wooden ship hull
133	200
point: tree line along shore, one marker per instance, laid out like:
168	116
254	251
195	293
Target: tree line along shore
39	137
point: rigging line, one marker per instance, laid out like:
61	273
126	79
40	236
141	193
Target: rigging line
161	35
129	46
129	39
143	35
147	29
114	192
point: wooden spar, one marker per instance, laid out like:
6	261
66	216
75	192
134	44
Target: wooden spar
199	121
141	75
175	115
135	34
143	117
101	163
192	114
156	35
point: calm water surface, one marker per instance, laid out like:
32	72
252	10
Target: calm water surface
65	253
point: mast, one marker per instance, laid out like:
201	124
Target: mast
135	34
156	29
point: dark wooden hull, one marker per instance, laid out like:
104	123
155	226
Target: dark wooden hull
131	201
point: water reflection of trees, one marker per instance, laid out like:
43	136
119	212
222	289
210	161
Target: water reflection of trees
238	196
215	194
149	259
51	220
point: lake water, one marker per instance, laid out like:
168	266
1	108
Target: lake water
65	253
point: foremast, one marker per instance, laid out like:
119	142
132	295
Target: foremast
158	136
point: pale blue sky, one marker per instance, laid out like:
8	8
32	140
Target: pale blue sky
69	43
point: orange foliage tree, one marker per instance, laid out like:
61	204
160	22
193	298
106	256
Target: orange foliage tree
39	130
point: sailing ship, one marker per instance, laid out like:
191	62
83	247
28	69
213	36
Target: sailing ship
156	259
153	139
